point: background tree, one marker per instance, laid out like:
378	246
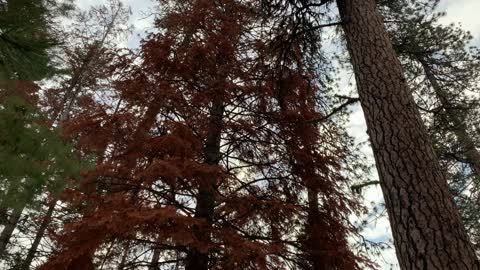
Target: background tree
27	162
89	47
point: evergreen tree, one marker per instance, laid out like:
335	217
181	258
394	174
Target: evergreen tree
444	73
34	158
26	35
88	49
196	173
416	194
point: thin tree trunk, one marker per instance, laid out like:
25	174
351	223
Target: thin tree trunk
198	259
460	128
426	226
4	207
75	86
123	261
155	259
315	250
38	237
8	229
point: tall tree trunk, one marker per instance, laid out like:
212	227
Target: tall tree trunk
38	237
123	261
197	259
460	130
154	265
9	228
315	250
426	226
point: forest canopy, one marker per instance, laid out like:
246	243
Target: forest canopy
230	134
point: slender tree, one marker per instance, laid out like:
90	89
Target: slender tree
24	45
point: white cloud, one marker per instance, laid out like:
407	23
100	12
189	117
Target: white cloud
464	12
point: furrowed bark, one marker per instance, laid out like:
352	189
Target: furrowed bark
197	259
426	226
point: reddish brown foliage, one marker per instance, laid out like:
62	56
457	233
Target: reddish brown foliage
209	155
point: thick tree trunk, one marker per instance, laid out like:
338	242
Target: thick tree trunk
472	154
426	226
198	259
38	237
8	229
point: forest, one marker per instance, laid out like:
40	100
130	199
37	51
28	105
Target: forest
219	135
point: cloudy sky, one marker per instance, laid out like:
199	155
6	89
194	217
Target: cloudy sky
464	12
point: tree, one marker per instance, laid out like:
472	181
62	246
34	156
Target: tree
86	55
314	150
26	34
438	63
30	151
416	194
194	172
34	158
417	198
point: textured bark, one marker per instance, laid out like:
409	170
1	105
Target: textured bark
197	259
472	154
8	229
426	226
38	237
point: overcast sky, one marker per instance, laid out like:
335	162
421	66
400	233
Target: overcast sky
464	12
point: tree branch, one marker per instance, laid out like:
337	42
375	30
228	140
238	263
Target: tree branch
358	188
350	100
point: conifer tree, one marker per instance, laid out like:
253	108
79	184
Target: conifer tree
417	198
33	156
89	46
195	173
444	72
408	167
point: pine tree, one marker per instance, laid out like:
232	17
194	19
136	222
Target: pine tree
88	49
26	35
416	194
403	151
194	172
438	63
31	153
